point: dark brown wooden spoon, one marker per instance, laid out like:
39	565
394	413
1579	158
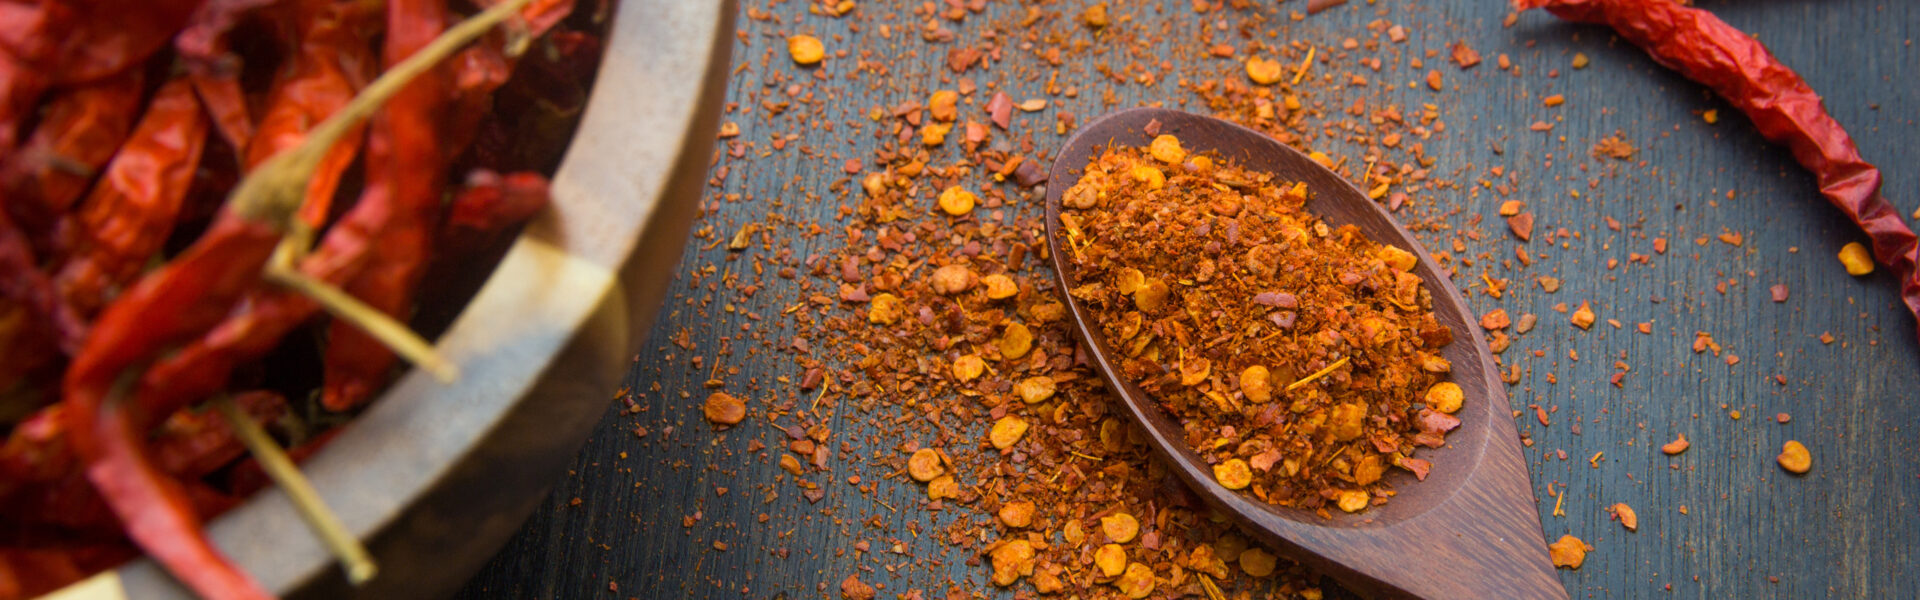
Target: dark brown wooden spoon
1470	530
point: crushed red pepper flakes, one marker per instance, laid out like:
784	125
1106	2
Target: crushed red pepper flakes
1625	515
1132	235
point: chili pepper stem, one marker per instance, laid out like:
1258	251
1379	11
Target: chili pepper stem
389	331
325	524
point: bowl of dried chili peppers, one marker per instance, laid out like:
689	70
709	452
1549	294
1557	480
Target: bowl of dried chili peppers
286	284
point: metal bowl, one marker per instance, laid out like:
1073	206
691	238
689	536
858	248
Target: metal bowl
436	476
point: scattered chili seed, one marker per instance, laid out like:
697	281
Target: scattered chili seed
1007	431
1119	527
1580	60
1111	559
1795	458
806	49
925	464
956	201
1137	582
1264	71
1445	397
1856	259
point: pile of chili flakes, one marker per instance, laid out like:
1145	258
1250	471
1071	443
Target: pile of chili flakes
1299	358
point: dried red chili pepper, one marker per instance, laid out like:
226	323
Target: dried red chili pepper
1781	105
79	130
54	43
404	142
23	283
331	62
131	210
491	202
198	288
215	69
485	66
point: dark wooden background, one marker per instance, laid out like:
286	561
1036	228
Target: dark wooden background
640	516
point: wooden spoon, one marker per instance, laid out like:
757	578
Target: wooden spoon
1470	530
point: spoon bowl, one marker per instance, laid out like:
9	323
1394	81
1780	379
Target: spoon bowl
1470	530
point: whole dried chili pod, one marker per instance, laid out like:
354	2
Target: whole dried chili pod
404	162
127	216
78	131
331	61
64	42
485	66
1781	105
213	66
108	431
25	285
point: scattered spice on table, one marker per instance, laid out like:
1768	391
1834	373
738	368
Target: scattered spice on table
1296	354
1787	111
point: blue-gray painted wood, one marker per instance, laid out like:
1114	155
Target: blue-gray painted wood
1847	529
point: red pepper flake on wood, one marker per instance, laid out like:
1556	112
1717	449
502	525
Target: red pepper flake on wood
1678	445
1522	226
1568	552
1464	56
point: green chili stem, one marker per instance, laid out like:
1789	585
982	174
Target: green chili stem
333	534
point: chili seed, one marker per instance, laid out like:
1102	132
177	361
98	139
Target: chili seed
1626	516
956	201
924	465
806	49
1856	259
1256	384
953	279
1137	582
884	309
1150	175
1120	527
1007	431
1795	458
1446	397
1233	474
943	105
1265	71
1111	559
1166	149
1034	390
968	367
1257	562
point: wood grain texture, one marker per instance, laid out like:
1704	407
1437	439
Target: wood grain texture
1468	531
1748	529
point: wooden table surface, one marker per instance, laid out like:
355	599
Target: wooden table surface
640	516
